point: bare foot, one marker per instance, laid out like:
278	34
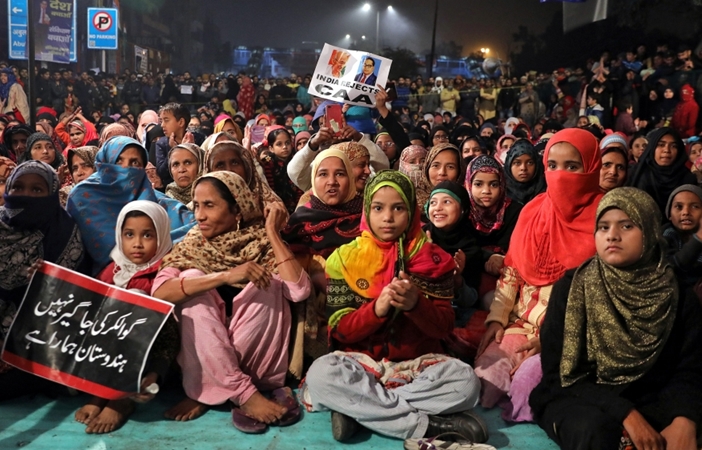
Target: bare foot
187	409
260	408
90	410
112	416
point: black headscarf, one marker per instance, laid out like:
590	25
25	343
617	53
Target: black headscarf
524	192
659	181
457	238
37	137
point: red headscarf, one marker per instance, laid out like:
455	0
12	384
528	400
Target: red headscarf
554	231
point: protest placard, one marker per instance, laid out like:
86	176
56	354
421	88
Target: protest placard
53	23
82	333
349	76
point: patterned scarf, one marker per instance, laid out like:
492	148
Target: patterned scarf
412	170
618	319
425	187
254	177
358	271
318	228
232	248
487	220
184	194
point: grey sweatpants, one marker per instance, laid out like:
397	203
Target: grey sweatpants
341	384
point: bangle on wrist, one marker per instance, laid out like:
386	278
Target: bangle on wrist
182	289
284	261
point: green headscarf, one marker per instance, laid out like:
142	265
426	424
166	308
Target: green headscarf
618	319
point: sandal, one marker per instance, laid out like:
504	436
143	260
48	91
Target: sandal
285	397
246	424
459	442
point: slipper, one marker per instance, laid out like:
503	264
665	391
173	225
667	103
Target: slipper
246	424
285	397
435	443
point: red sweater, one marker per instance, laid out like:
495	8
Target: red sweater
141	280
410	335
685	115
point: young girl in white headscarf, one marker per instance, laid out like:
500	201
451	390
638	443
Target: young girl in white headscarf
142	237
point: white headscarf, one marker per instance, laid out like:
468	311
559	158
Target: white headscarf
511	124
124	268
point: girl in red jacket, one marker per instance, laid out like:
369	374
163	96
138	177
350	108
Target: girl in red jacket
142	238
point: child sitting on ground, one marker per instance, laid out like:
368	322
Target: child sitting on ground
389	306
143	239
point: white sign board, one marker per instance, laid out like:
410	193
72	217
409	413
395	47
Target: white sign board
349	76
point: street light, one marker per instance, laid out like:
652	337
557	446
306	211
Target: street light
363	37
367	7
348	36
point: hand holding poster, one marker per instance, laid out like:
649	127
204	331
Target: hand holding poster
349	76
85	334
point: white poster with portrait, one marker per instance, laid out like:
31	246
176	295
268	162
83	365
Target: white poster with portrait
349	76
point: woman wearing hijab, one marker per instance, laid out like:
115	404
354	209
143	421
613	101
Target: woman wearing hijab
388	307
33	227
116	129
227	125
615	165
412	161
231	279
76	133
329	219
13	97
187	164
493	215
119	179
620	344
230	156
661	167
554	232
524	171
80	164
504	143
443	162
40	147
43	126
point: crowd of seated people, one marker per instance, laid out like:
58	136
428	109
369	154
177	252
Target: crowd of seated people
396	277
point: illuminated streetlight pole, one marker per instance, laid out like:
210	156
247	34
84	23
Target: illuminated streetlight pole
367	7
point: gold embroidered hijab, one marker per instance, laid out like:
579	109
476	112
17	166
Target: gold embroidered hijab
618	319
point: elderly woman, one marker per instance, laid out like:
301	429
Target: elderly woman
186	163
119	179
232	278
33	227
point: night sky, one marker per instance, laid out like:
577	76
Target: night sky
471	23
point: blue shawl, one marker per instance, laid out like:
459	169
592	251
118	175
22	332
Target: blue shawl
95	203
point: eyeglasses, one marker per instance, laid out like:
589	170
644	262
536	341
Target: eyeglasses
441	137
386	144
368	65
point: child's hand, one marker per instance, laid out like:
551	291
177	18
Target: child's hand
405	295
382	304
144	396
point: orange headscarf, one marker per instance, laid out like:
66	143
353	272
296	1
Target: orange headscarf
554	231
